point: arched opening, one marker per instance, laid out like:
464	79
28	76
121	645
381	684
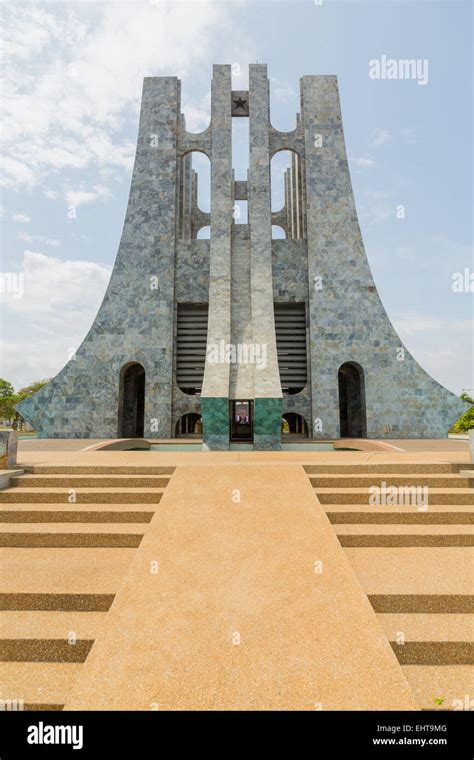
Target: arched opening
240	212
286	178
294	424
204	233
194	194
278	233
132	401
240	148
284	105
352	414
189	425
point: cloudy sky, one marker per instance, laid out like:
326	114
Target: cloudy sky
71	94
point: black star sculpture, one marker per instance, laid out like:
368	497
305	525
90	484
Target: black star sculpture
239	103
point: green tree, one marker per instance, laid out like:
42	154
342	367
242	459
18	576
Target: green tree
32	388
466	422
6	388
9	399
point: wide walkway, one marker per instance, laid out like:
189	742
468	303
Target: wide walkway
253	606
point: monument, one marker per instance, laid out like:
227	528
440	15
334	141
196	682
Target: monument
235	335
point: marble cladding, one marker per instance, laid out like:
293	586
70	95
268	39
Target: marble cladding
159	264
266	384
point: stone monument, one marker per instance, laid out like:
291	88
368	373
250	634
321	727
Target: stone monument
227	336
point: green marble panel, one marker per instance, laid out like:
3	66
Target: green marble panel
267	423
215	423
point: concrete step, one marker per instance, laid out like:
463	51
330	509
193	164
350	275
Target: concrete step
53	570
89	481
396	540
15	624
428	627
414	570
38	683
367	480
82	495
396	468
384	529
433	605
70	540
73	516
362	496
44	650
342	515
433	652
47	469
20	508
379	512
28	603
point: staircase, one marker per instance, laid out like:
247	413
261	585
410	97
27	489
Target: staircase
415	562
70	533
67	540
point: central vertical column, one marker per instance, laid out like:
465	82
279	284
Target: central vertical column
215	390
268	395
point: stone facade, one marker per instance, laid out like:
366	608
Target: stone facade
321	264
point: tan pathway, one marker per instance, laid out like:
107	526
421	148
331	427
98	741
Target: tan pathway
238	615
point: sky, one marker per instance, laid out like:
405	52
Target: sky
72	79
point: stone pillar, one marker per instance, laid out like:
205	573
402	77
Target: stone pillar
215	390
8	448
331	234
267	388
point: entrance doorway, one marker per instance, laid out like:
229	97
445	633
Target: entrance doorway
293	424
352	415
241	421
132	401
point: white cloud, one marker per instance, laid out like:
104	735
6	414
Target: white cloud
53	286
197	118
60	301
378	212
16	173
27	238
377	195
379	137
442	345
73	78
282	90
81	197
27	360
21	218
364	162
414	322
